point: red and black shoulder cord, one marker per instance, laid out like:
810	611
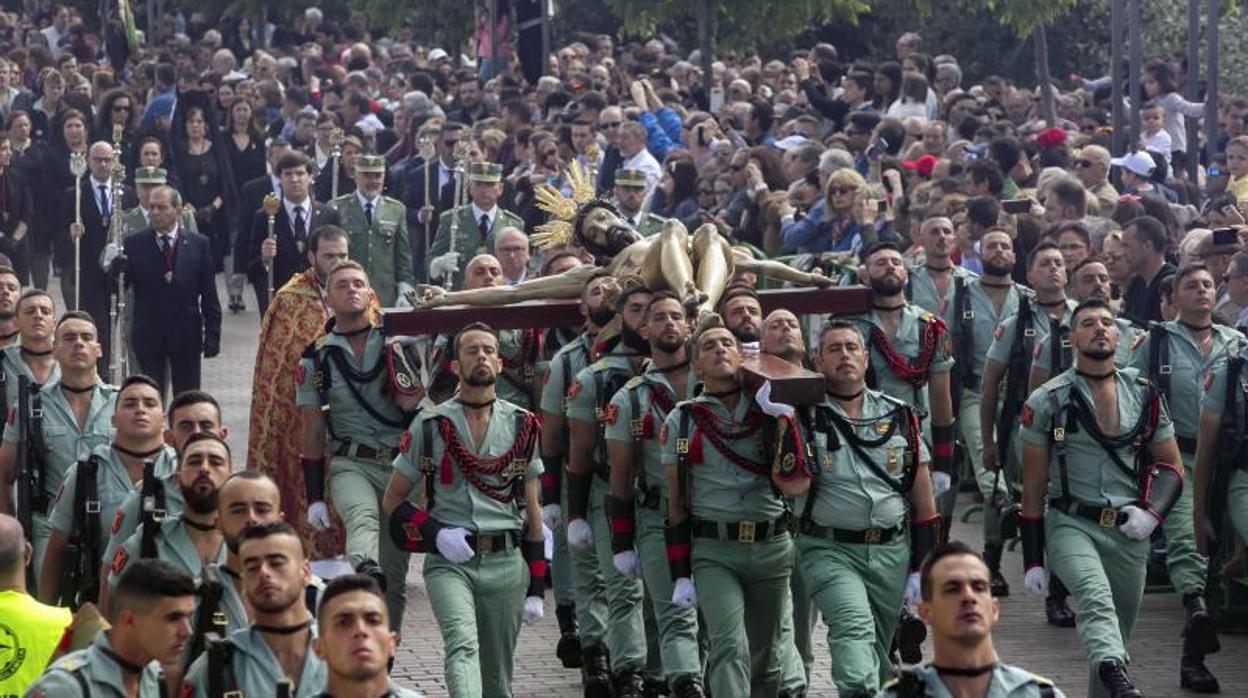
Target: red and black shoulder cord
915	372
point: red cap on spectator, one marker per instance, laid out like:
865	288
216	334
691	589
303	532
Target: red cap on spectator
924	165
1051	137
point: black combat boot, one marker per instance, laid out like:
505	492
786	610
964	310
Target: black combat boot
687	687
1195	676
568	650
1055	607
1200	634
653	688
372	569
992	556
629	683
1114	678
596	671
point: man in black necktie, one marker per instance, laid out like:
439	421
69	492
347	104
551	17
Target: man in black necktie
177	316
423	212
297	216
95	189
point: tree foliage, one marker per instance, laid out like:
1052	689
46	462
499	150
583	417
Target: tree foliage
739	23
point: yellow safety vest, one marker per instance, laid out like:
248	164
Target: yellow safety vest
29	634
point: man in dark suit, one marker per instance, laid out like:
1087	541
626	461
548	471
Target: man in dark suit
441	176
95	188
252	195
177	316
297	216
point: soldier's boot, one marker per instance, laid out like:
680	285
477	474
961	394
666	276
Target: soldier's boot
568	649
595	671
1115	680
1056	609
1195	676
911	632
687	687
992	556
1200	637
629	683
653	688
372	569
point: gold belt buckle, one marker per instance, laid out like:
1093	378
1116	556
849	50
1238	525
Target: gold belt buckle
232	694
218	619
872	536
485	544
636	427
682	446
1059	433
1109	517
745	531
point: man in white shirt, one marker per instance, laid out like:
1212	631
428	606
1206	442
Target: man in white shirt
633	147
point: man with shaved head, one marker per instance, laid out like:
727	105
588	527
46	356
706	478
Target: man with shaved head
36	628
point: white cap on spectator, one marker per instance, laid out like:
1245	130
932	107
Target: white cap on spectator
438	54
1138	163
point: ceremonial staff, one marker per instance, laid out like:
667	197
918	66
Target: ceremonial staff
78	167
591	162
118	363
462	152
428	153
271	203
335	155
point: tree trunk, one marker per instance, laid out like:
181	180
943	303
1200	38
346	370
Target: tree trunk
1041	41
705	41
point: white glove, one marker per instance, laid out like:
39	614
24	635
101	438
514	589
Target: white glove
453	545
580	535
442	265
404	289
683	594
913	590
552	515
1139	524
941	482
1036	582
318	516
627	564
774	409
111	250
533	609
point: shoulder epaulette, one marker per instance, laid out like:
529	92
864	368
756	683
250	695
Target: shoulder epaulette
889	398
635	382
927	316
71	662
1143	380
1043	681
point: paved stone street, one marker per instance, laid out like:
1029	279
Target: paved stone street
1022	636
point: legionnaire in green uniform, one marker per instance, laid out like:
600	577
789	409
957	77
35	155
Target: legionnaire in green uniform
31	355
520	349
278	645
475	460
478	222
1220	475
192	539
349	414
1099	446
728	531
1089	279
355	641
1176	356
76	547
934	283
630	194
858	467
977	306
589	415
1004	386
156	498
637	503
959	607
66	419
377	225
150	624
580	599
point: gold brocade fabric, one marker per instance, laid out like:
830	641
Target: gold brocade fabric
295	319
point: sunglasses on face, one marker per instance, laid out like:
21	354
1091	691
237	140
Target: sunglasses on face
706	192
609	125
1083	163
841	191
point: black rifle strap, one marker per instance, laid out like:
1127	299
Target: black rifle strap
1159	368
847	431
350	377
1016	374
1060	357
684	486
152	509
637	419
37	447
426	461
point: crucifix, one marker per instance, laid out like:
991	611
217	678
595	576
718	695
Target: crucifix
790	384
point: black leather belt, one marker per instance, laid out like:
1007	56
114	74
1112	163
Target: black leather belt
1105	517
486	543
1187	444
741	531
870	536
348	449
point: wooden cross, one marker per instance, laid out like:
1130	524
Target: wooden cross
790	384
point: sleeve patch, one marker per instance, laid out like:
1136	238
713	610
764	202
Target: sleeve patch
610	414
574	389
1028	415
663	433
1137	340
405	441
119	561
997	333
117	517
